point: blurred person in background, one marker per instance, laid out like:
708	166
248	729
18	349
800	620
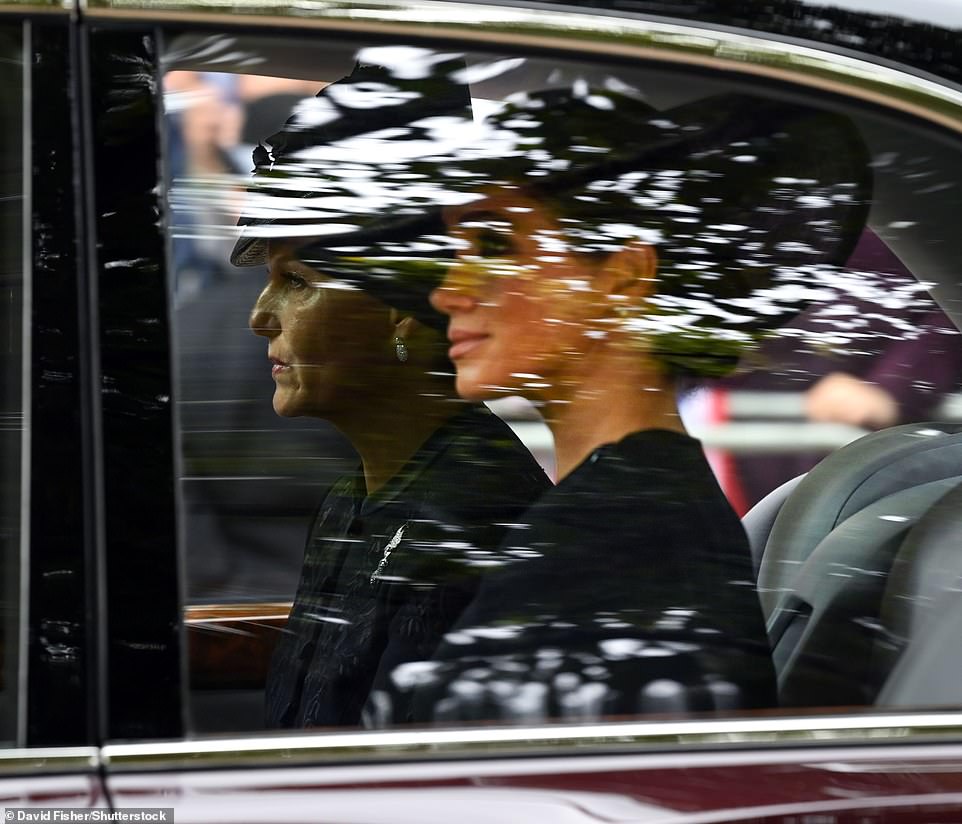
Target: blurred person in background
886	357
204	120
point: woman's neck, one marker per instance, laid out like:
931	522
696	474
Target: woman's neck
387	437
616	393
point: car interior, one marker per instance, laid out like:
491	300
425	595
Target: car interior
830	566
858	564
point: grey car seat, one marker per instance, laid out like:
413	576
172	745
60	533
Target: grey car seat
921	650
825	561
830	623
760	519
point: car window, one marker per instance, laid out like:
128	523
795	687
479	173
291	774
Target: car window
12	421
481	358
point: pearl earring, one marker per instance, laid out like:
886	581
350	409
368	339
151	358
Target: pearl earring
401	350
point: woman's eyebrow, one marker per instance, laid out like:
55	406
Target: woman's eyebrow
278	262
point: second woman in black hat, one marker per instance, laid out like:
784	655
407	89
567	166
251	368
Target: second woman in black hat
614	252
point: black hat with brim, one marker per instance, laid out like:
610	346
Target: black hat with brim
374	107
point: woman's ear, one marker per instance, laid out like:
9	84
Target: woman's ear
424	345
405	326
630	271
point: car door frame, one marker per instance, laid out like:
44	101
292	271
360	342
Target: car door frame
110	578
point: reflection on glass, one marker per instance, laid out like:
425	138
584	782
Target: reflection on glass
602	249
877	357
11	368
441	232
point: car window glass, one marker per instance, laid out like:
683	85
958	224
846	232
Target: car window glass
12	281
675	291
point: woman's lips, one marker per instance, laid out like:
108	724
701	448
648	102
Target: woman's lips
278	366
463	342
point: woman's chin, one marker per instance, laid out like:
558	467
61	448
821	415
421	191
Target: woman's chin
472	389
315	405
286	407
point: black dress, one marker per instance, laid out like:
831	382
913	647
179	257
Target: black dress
386	575
630	591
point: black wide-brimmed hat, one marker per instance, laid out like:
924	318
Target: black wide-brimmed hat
748	201
337	174
308	181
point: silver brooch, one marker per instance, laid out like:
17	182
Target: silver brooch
391	546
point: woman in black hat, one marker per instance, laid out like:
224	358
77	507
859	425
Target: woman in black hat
613	252
394	550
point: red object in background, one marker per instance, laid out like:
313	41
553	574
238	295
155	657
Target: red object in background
722	461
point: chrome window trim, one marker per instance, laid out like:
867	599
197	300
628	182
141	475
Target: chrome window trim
897	758
22	7
299	749
48	761
579	33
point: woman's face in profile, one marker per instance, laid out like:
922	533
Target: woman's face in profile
523	308
328	344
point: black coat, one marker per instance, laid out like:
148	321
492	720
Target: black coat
386	575
631	591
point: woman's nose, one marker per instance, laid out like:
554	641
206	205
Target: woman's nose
263	319
458	290
449	299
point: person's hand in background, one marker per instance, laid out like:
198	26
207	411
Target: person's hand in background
842	398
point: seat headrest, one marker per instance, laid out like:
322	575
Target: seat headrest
847	481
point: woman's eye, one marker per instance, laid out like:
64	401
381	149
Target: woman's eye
496	244
295	281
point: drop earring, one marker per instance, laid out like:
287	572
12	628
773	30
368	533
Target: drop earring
401	350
